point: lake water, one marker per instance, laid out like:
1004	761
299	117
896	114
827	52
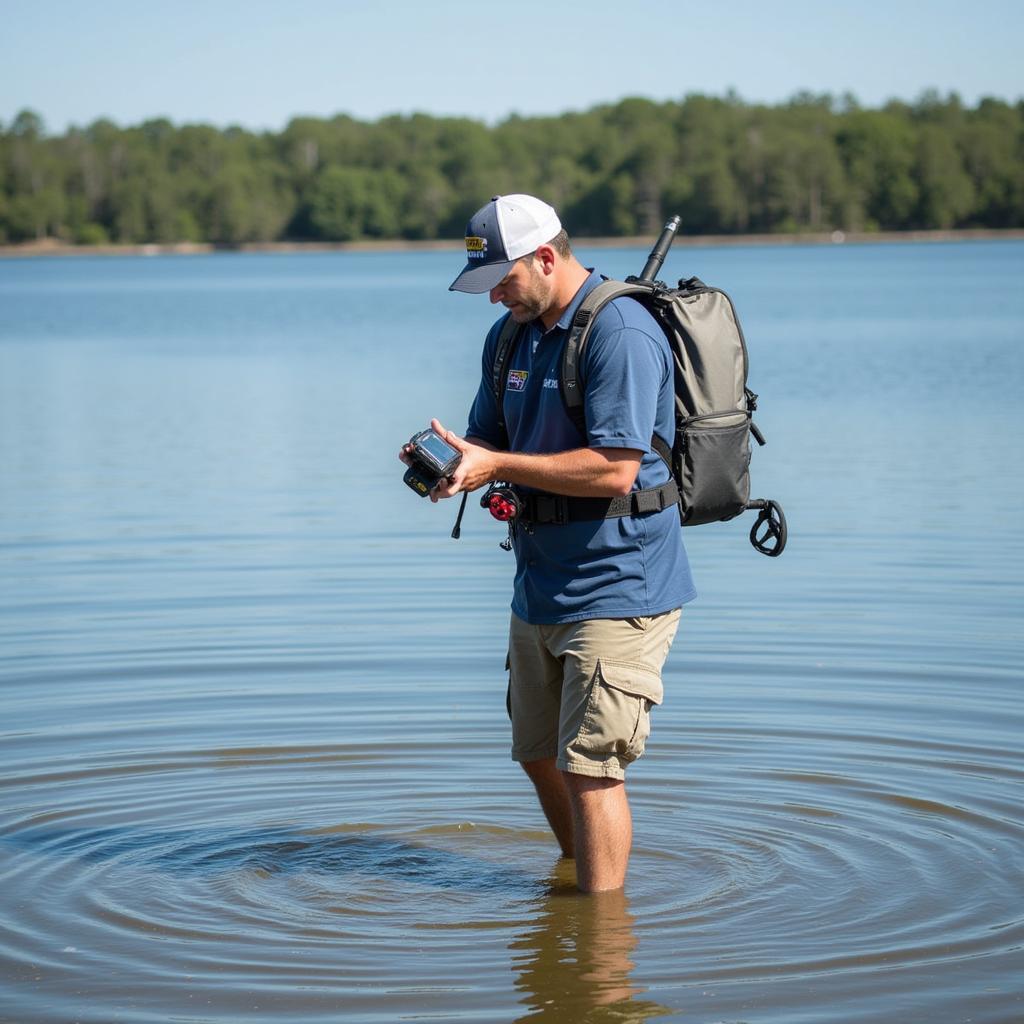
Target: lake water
253	744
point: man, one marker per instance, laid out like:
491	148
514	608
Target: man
597	598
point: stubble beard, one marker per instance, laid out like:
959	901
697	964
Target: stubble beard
525	312
532	304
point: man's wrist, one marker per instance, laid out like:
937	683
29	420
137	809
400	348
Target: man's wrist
498	469
524	468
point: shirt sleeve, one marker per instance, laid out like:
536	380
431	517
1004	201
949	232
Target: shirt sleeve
483	414
624	370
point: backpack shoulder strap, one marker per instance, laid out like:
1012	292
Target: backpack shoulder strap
579	332
507	337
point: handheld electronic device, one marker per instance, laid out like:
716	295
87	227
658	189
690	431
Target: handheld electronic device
433	460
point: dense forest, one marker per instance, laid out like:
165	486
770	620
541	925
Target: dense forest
815	163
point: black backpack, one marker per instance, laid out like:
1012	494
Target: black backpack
710	454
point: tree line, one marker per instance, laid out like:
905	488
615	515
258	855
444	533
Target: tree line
812	164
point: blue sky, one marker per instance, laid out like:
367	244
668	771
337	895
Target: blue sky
257	63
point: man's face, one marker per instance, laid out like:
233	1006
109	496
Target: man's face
523	291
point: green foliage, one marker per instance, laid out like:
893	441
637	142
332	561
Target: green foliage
91	234
347	203
812	164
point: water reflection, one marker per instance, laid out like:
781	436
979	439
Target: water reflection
574	961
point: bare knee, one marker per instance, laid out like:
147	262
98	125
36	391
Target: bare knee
585	785
542	770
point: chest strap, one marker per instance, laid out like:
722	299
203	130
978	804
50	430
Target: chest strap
560	509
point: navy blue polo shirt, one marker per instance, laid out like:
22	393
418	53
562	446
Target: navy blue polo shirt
602	568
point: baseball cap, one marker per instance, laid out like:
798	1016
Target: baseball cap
498	234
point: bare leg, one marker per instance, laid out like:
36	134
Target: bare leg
603	830
553	794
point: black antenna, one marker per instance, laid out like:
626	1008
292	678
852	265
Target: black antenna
660	250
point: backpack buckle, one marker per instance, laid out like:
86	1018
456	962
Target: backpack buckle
582	318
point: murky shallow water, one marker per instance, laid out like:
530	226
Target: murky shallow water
253	760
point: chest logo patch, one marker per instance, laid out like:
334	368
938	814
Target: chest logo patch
517	380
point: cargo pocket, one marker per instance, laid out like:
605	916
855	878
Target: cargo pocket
714	467
618	717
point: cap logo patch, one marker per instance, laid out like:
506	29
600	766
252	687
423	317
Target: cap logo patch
476	248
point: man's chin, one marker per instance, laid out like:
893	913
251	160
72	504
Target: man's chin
522	315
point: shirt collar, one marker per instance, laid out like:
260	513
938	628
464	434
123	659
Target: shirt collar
565	320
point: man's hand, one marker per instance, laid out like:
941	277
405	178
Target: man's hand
477	467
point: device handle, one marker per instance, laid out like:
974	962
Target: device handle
769	533
660	250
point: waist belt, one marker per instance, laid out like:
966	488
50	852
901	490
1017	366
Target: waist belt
560	509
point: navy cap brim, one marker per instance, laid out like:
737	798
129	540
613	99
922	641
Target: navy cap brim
476	279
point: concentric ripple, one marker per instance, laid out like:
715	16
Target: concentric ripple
752	868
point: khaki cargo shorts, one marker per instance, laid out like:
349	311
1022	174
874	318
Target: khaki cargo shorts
582	692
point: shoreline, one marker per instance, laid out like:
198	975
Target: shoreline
52	247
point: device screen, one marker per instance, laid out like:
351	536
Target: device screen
435	446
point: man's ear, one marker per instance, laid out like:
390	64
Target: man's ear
547	257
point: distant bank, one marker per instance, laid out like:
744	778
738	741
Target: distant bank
51	247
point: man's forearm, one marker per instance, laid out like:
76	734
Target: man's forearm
582	472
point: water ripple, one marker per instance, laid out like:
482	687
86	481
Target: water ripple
253	740
852	869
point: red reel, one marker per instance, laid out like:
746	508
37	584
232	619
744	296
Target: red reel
503	503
